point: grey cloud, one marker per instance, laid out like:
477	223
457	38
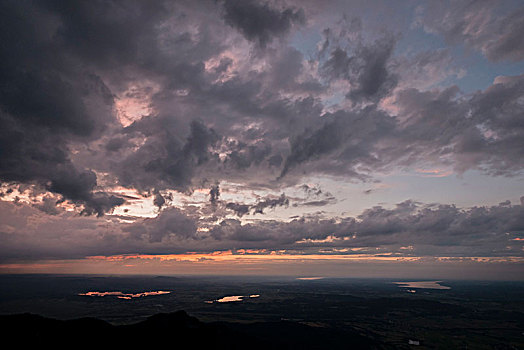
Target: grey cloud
261	22
79	187
239	209
158	200
287	73
48	206
315	197
366	66
172	223
48	100
164	160
235	231
100	203
370	73
117	143
430	230
311	190
426	69
214	194
481	132
482	25
244	155
319	142
317	203
345	140
107	33
259	206
507	43
271	203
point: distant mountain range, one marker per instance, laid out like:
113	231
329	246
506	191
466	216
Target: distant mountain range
176	330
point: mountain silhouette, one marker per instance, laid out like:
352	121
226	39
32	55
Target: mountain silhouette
176	330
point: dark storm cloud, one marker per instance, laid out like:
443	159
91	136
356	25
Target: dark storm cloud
366	69
172	223
313	145
478	24
259	207
79	187
48	206
108	33
164	160
317	203
344	141
259	21
311	190
53	95
270	203
158	199
366	65
48	99
243	155
238	208
214	194
315	197
35	154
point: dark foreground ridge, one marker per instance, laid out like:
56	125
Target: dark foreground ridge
177	330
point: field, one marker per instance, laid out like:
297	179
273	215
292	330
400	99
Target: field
475	314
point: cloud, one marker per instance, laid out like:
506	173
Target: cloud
344	141
203	106
214	194
480	132
48	206
315	197
368	72
164	161
260	22
238	208
172	224
259	206
271	203
318	203
158	200
427	69
47	102
430	229
478	24
107	34
366	66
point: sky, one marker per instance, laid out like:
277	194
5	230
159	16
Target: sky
243	137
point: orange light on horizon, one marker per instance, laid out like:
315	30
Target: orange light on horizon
254	255
277	262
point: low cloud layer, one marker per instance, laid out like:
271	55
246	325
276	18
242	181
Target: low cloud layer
407	229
